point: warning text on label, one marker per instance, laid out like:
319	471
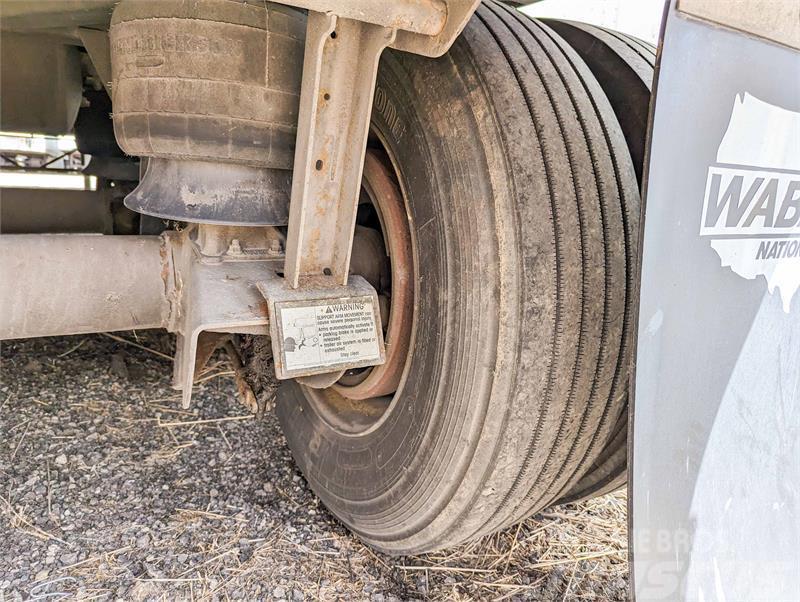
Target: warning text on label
327	334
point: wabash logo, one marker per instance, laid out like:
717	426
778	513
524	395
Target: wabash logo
751	211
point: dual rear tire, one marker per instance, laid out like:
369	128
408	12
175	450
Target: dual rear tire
523	208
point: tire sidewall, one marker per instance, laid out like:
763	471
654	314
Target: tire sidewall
424	116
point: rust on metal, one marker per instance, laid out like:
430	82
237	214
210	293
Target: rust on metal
388	200
424	17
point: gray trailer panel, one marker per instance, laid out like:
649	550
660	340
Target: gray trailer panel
716	456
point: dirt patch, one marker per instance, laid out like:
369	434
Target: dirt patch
108	490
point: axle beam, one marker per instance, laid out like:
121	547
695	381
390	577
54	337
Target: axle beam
58	284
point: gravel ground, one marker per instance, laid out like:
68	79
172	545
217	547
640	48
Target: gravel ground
108	490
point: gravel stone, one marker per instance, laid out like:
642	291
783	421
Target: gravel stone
98	500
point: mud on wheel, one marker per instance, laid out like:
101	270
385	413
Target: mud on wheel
498	225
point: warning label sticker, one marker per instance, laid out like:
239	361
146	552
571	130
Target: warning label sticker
329	333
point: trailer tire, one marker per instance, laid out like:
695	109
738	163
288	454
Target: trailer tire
624	67
523	207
